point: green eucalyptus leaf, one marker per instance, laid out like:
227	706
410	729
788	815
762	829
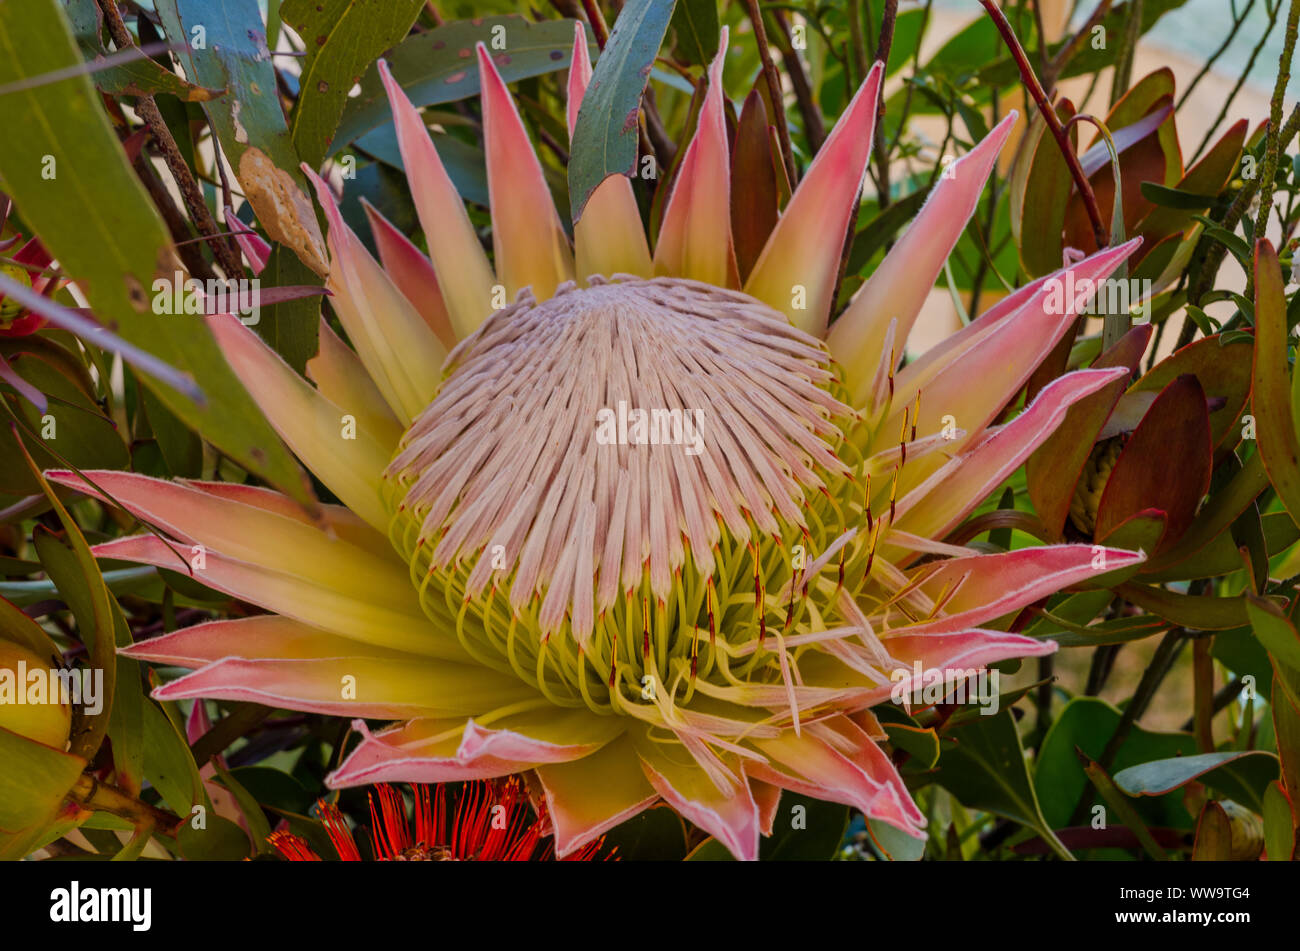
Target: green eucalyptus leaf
438	66
342	39
695	26
605	136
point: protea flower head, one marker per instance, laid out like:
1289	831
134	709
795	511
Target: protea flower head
522	579
488	822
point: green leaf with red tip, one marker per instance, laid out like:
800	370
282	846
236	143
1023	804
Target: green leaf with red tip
1164	465
1052	472
1273	395
1141	531
921	743
1242	774
1118	630
1221	556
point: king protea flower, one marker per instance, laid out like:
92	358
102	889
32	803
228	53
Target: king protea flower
703	623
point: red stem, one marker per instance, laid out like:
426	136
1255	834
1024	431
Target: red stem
1053	121
597	21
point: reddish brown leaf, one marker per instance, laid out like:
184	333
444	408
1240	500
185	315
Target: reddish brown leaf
754	196
1165	464
1223	372
1053	470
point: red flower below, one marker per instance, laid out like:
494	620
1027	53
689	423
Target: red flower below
491	821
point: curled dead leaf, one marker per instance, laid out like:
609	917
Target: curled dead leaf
283	208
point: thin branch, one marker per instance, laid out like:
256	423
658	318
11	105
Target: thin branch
1128	52
189	188
177	224
102	797
1053	122
1041	30
1203	694
879	151
773	88
1268	177
813	126
857	43
1241	80
1225	695
1067	52
1214	57
597	21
